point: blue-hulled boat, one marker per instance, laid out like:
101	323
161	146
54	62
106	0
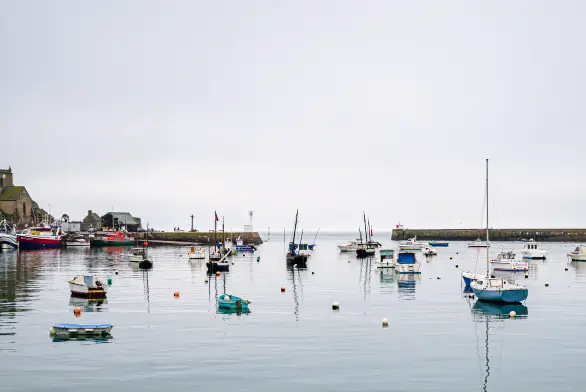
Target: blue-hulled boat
244	248
232	302
437	244
496	289
468	277
67	329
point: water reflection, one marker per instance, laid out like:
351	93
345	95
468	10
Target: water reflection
365	274
406	284
88	305
387	279
489	313
580	268
294	275
91	339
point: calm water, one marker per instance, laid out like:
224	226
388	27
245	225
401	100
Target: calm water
436	341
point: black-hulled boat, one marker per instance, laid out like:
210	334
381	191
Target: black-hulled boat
293	257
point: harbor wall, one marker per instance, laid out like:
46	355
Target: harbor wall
544	235
203	238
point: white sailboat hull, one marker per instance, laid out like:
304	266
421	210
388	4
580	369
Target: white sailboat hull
408	268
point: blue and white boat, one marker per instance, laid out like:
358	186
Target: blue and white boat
67	329
406	263
244	248
437	244
496	289
468	277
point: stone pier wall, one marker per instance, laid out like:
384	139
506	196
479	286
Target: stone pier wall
544	235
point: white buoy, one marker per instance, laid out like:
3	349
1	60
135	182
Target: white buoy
226	297
294	265
336	305
385	322
513	314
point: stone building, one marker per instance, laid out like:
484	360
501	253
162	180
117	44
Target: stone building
121	219
91	221
16	205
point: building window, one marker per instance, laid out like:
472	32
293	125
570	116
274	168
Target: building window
23	209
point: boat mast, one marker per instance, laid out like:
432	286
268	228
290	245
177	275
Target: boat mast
360	232
300	239
365	232
223	235
215	227
294	230
314	238
487	239
369	231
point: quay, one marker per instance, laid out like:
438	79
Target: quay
197	237
543	235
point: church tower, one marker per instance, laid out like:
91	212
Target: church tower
6	178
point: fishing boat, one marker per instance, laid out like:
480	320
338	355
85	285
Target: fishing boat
496	289
7	236
196	253
531	250
67	329
406	263
293	257
505	261
350	247
364	248
478	243
218	261
411	244
87	286
579	254
116	238
429	251
437	244
232	302
78	240
42	236
387	259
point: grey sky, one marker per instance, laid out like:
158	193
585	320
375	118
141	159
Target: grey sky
164	108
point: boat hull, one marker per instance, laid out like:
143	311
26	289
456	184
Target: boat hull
245	248
385	264
83	291
495	295
439	244
32	242
100	242
469	277
510	267
234	303
8	241
197	256
347	249
362	253
77	244
214	267
300	260
81	329
575	257
414	268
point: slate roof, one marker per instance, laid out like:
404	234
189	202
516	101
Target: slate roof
11	193
124	218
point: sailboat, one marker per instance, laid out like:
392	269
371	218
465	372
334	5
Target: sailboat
310	246
365	249
496	289
140	255
215	255
219	260
293	257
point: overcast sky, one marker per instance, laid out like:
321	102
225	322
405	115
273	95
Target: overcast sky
168	108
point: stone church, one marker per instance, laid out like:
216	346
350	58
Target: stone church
16	205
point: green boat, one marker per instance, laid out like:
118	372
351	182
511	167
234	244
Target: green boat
113	239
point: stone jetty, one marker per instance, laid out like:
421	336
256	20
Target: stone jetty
201	238
543	235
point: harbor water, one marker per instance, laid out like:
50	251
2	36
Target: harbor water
437	338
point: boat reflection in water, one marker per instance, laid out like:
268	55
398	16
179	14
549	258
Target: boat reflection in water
406	284
499	309
387	279
88	304
93	339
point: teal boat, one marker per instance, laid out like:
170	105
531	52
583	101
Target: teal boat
232	302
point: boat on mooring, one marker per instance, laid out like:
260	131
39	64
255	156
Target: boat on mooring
411	244
579	254
218	261
438	244
365	249
429	251
478	243
240	246
140	255
293	257
7	236
505	261
532	250
387	259
77	240
68	329
406	263
115	238
42	236
350	247
87	286
196	253
496	289
233	303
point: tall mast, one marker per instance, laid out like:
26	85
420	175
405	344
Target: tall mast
294	230
223	234
215	228
369	230
360	232
314	238
300	239
365	232
487	239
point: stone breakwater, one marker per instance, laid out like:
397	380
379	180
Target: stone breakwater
544	235
203	238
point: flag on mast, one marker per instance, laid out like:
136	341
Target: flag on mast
216	216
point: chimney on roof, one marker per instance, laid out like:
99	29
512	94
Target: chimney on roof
89	212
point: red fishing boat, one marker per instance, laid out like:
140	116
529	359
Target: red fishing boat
40	237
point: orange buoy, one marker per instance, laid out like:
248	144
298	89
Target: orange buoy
218	273
282	289
77	311
176	294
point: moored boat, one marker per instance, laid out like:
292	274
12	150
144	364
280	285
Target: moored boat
429	251
468	277
437	244
232	302
505	261
350	247
406	263
68	329
531	250
579	254
411	244
87	286
78	240
7	236
40	237
496	289
115	238
196	253
293	257
387	259
479	244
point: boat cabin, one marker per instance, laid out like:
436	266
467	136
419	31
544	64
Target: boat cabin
115	236
531	246
138	251
506	256
387	254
